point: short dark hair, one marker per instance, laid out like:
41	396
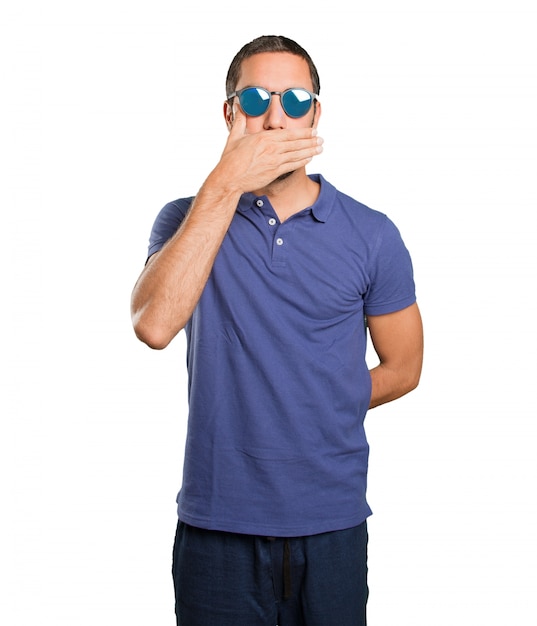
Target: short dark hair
269	43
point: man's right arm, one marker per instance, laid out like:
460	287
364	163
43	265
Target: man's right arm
173	279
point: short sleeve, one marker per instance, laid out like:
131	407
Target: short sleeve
391	285
167	222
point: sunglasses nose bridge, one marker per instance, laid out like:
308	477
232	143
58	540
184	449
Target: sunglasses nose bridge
275	114
276	100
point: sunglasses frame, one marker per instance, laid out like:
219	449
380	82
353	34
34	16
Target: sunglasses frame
238	94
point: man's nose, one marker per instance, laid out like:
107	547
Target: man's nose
275	116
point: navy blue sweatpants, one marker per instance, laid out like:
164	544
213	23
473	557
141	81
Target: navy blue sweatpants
228	579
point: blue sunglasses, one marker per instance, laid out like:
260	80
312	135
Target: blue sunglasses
255	101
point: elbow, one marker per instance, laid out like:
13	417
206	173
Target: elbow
404	387
413	379
411	385
150	325
152	340
153	335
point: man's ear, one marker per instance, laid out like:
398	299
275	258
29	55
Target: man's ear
228	114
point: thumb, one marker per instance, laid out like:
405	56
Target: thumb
238	127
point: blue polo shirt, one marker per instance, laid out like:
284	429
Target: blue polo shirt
278	382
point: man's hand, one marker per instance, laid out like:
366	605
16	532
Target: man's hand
252	161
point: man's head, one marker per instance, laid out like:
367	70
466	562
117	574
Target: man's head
275	83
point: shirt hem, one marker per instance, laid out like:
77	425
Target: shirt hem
263	530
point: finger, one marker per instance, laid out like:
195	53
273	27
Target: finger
239	122
313	143
306	153
291	134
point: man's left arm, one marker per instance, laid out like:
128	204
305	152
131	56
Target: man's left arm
398	341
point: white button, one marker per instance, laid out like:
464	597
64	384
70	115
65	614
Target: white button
272	221
279	241
259	203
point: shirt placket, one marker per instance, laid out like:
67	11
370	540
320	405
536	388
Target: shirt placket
277	230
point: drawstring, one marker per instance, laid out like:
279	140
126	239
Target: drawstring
287	587
286	570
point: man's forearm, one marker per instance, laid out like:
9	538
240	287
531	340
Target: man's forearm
388	385
171	284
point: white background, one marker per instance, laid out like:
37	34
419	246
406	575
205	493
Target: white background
110	109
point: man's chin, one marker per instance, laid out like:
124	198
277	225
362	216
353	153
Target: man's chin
278	182
284	176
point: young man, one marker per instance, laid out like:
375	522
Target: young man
271	272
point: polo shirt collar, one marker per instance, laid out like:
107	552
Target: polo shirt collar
321	208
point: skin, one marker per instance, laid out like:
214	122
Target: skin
266	155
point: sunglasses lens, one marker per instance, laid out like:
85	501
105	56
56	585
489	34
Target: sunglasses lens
254	101
296	102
